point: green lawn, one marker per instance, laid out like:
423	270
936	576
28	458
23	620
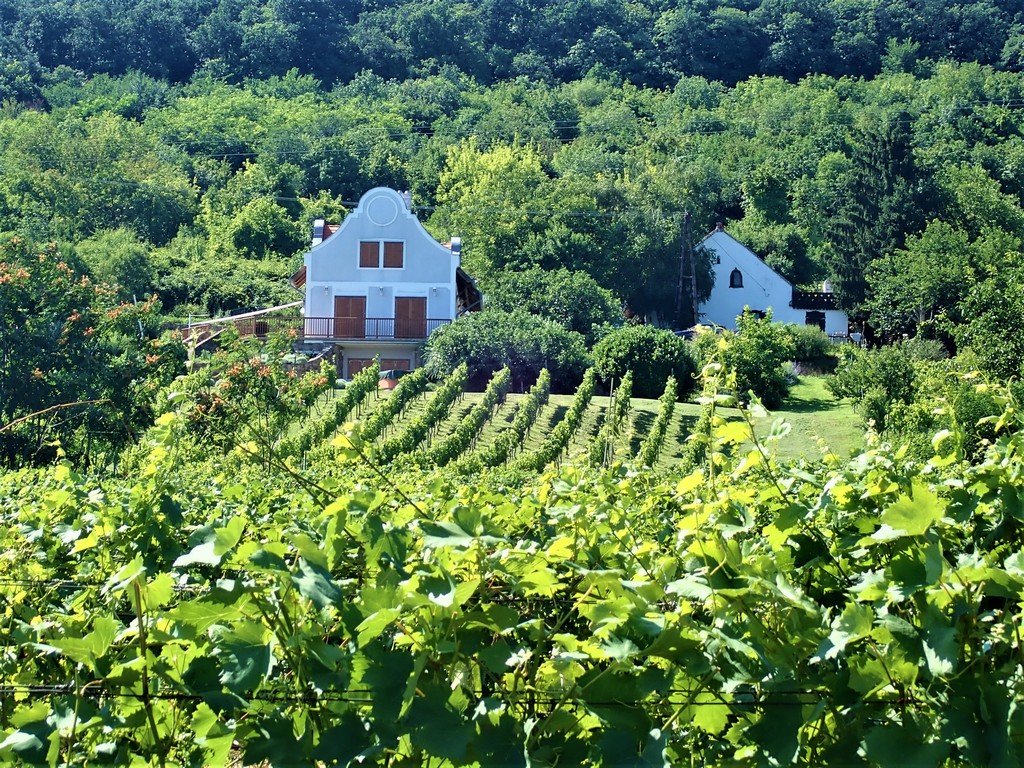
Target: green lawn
813	413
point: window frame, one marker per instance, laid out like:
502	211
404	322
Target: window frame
384	254
381	244
360	254
736	278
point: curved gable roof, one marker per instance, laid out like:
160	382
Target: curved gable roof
379	207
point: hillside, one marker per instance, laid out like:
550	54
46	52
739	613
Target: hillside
812	413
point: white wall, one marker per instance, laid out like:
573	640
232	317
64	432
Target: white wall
332	267
763	288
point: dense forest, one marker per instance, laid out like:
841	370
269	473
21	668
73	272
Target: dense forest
650	42
176	153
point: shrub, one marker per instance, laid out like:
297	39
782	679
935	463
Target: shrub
574	300
757	352
812	348
651	354
924	349
490	340
875	379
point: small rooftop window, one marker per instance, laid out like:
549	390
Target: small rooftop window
736	279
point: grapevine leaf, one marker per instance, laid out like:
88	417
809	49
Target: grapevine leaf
911	515
212	736
203	614
244	665
410	686
655	754
315	584
710	715
939	640
275	742
211	544
371	627
445	534
344	741
867	675
125	576
854	623
619	649
892	746
93	646
29	743
690	587
777	733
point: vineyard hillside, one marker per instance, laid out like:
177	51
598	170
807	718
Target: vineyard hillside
816	420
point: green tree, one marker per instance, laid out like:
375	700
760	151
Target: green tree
118	258
490	340
652	354
574	300
993	327
921	282
63	340
882	206
490	199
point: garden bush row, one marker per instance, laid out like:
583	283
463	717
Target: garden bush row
417	430
315	432
563	432
651	446
618	411
408	388
507	442
460	440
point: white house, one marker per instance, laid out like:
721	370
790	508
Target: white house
378	284
742	280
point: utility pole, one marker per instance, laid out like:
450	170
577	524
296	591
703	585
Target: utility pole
686	317
693	270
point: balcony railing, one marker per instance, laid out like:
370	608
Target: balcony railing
814	300
341	328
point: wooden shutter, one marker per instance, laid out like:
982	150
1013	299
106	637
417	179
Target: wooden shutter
369	254
410	317
355	365
349	317
394	255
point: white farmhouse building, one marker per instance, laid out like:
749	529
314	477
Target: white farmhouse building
378	284
743	280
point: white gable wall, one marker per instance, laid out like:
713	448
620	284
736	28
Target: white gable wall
763	288
332	267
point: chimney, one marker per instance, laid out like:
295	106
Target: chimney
407	196
719	226
318	231
457	249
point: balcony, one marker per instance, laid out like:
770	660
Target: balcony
814	300
340	328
